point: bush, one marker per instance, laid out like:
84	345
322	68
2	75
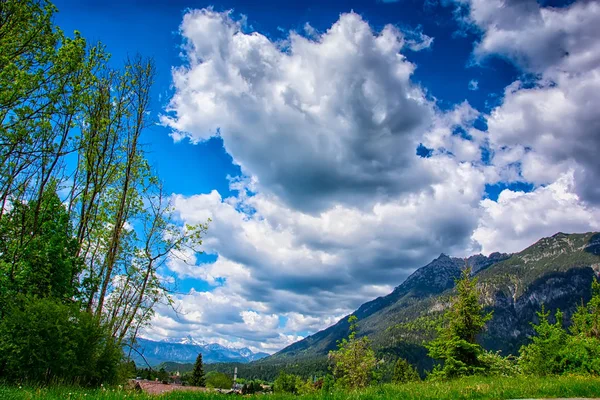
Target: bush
251	387
404	372
218	380
543	355
328	384
580	355
42	340
354	361
287	383
496	365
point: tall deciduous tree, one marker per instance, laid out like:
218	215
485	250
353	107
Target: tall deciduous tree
84	222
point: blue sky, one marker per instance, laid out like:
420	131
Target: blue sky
356	141
151	29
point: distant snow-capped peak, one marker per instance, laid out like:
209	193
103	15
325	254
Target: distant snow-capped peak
189	340
186	340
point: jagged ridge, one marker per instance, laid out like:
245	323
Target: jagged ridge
556	271
186	351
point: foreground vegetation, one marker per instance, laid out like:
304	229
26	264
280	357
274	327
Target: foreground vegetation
85	226
465	388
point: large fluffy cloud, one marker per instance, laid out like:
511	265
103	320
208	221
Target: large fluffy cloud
519	217
552	124
276	261
330	262
540	39
553	127
334	115
335	207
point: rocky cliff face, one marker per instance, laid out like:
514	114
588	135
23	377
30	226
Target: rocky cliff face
555	271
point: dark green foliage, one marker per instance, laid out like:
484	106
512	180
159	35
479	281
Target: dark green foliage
44	334
553	350
404	372
455	345
354	360
198	373
287	383
163	376
541	357
43	340
38	255
127	370
586	320
269	370
252	387
580	355
218	380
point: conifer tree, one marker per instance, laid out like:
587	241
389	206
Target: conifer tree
404	372
456	344
198	378
542	355
586	320
354	360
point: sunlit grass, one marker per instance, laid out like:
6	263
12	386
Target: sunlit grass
468	388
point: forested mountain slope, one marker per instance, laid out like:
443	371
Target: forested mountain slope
556	271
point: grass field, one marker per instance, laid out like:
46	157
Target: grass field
468	388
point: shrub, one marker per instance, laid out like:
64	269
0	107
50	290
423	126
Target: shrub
543	355
218	380
580	355
404	372
496	365
354	360
42	340
287	383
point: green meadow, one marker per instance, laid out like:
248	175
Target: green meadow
566	386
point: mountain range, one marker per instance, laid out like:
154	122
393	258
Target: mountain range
185	350
556	271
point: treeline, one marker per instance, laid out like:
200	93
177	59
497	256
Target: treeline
453	344
269	371
84	222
